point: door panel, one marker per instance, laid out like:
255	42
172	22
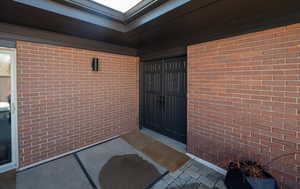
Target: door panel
164	97
174	92
152	95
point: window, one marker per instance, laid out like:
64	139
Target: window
4	65
119	5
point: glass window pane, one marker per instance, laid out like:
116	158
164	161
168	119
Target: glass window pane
119	5
5	116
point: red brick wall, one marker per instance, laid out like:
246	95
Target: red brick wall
63	105
244	99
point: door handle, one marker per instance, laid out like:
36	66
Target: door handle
161	99
162	102
13	108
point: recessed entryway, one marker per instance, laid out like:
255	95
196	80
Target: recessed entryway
164	102
8	137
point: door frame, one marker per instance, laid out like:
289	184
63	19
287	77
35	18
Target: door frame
141	88
14	164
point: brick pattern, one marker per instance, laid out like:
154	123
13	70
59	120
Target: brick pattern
191	175
63	105
244	99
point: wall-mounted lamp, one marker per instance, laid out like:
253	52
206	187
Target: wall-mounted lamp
95	64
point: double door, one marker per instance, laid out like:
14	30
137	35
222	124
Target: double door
164	102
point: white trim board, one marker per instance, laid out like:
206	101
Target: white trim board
65	154
207	164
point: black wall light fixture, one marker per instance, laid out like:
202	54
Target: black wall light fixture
95	64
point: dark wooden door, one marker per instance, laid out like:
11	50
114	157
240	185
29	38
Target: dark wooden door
152	104
164	103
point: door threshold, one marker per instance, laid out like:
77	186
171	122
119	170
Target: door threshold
7	168
8	179
10	172
179	146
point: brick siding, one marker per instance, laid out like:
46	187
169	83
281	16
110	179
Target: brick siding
63	105
244	99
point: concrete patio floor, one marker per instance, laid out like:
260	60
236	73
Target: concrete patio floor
62	173
81	170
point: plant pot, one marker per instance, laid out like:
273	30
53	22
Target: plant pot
262	183
235	179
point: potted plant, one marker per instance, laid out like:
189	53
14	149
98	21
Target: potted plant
247	174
